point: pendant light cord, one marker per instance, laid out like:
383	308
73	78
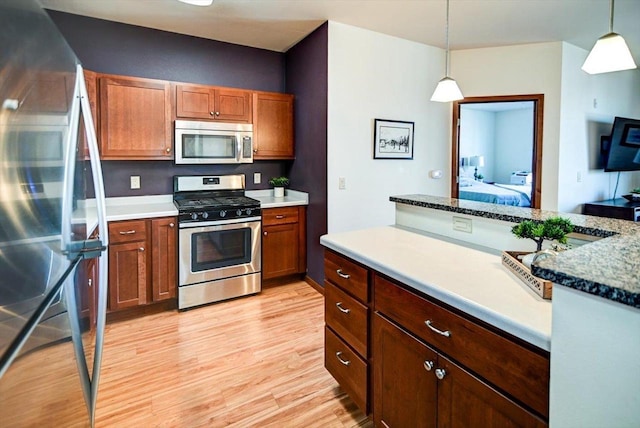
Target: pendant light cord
611	16
446	29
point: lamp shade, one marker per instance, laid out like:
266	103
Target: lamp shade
447	90
198	2
477	161
610	53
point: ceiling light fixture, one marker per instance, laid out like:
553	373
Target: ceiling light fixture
447	89
610	53
198	2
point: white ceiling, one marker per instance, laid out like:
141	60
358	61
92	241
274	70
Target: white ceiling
279	24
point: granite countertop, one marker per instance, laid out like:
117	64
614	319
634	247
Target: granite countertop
433	266
609	268
291	198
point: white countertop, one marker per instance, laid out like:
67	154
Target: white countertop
466	278
291	198
136	207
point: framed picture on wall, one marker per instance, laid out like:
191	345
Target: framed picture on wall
392	139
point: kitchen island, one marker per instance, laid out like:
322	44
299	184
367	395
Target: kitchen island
594	340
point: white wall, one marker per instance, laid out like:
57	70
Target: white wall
477	136
513	144
517	70
583	121
372	75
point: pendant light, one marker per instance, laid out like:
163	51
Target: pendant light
610	53
447	89
198	2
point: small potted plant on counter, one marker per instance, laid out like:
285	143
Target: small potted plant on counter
279	184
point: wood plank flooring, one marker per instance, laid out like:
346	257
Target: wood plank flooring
254	361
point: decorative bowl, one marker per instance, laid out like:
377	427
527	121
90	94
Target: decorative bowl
632	197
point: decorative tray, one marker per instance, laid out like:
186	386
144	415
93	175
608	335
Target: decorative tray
542	287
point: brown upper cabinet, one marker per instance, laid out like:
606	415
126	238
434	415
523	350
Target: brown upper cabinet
272	126
135	118
213	103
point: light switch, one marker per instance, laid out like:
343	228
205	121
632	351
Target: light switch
342	183
257	178
135	182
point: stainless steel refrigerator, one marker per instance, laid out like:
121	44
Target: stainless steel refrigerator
52	228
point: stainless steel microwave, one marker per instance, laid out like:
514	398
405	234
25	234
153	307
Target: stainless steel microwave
200	142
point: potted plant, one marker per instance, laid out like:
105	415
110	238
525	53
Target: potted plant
553	228
279	184
480	177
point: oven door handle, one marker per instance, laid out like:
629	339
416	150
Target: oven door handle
188	225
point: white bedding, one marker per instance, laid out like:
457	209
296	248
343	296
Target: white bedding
503	194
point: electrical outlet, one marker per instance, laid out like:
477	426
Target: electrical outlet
579	177
462	224
257	178
135	182
341	183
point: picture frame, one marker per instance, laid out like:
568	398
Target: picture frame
392	139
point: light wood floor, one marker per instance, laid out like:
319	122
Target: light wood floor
254	361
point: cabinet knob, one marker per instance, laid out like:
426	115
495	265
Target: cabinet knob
255	150
171	225
264	233
217	113
212	113
141	248
440	373
168	149
428	365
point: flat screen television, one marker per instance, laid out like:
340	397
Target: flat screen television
622	148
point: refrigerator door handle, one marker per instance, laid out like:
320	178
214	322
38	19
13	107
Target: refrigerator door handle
98	184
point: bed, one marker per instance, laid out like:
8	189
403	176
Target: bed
503	194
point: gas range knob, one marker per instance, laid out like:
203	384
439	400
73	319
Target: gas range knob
248	211
239	213
205	215
223	213
194	216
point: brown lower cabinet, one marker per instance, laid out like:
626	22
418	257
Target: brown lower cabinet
284	245
142	262
420	363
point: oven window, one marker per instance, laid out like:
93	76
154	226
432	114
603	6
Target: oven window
218	249
197	146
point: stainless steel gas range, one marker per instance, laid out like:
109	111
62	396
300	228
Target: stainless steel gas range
219	242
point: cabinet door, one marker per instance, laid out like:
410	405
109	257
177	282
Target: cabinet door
280	250
163	258
465	401
135	119
233	105
195	102
127	275
273	126
405	387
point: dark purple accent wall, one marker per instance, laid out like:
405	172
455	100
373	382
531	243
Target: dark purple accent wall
113	47
306	78
156	177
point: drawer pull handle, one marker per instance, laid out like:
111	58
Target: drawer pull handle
127	232
440	373
428	365
343	310
343	275
280	216
343	361
445	333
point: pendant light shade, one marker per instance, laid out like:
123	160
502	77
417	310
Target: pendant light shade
610	53
198	2
447	89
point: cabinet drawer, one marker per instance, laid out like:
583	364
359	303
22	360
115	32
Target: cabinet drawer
347	368
347	317
127	231
347	275
515	369
273	216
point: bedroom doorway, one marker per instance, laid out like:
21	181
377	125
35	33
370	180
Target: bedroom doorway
497	149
